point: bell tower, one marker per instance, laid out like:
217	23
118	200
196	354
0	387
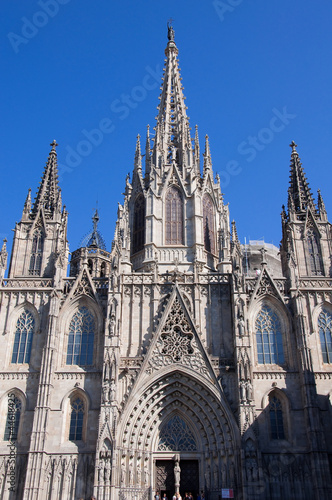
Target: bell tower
40	238
306	232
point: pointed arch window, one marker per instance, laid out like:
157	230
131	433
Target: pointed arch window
36	253
208	224
14	411
174	217
269	337
81	338
25	327
325	335
139	224
76	420
176	436
314	253
276	417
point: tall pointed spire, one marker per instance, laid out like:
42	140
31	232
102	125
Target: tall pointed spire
138	155
207	155
197	152
172	129
48	193
27	205
321	206
299	192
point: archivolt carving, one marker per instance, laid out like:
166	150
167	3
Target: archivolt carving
177	394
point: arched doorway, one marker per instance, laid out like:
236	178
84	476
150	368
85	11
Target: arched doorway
177	415
177	473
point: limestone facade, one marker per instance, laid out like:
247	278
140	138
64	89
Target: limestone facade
178	360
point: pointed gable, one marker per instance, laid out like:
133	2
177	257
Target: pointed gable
266	286
177	342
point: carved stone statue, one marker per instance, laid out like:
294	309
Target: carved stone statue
241	326
177	473
123	473
170	34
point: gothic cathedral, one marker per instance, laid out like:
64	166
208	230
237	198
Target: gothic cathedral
178	361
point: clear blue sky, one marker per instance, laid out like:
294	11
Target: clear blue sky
68	67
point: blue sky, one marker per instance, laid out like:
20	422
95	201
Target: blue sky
256	76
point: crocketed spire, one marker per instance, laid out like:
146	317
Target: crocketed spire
300	197
48	195
172	139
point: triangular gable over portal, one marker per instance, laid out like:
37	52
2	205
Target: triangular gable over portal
177	343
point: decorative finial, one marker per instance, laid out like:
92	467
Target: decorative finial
293	146
95	220
170	34
54	145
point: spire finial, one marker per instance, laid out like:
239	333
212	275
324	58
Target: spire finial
170	33
54	145
95	220
293	146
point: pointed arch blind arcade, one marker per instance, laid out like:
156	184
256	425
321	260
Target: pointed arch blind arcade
139	224
208	224
174	217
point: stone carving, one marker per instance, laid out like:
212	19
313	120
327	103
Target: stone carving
177	344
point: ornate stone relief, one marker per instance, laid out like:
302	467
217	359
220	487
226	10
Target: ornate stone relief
177	344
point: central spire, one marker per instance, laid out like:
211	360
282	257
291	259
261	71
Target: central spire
172	129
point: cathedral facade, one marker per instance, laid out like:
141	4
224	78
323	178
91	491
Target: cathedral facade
180	360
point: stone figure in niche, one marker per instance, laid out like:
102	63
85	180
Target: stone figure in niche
112	325
146	475
207	476
248	390
241	326
105	394
223	475
123	473
131	473
242	390
139	472
112	391
215	475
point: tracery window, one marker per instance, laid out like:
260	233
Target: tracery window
315	259
325	335
176	436
25	326
208	224
174	217
76	420
81	338
269	337
36	253
139	224
276	417
13	418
